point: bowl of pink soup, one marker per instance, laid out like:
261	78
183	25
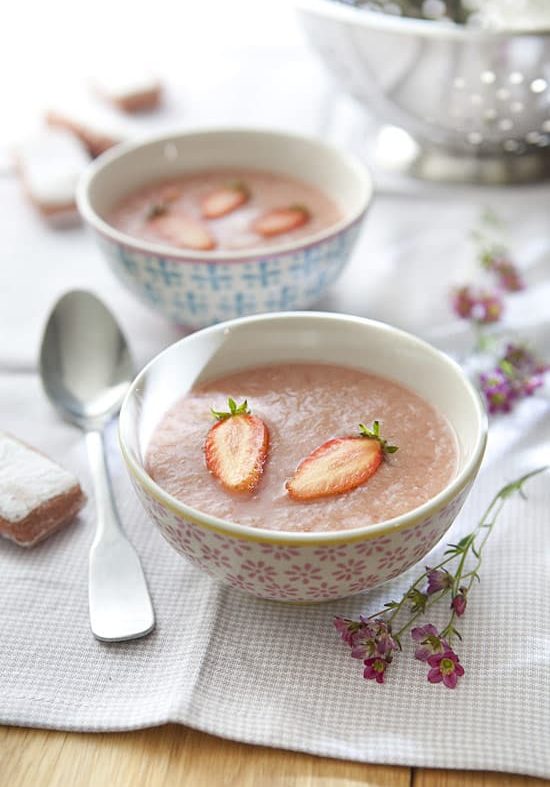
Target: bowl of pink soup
205	226
309	379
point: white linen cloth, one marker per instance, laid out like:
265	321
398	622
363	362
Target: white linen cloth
258	671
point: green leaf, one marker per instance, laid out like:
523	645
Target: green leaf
234	409
517	485
465	542
418	599
374	434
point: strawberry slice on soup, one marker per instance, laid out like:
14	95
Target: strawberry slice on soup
224	200
281	220
236	448
181	231
339	465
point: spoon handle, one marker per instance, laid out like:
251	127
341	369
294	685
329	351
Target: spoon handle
120	606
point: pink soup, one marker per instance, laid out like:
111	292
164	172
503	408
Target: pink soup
175	212
304	405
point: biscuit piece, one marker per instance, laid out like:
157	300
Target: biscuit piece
132	91
97	126
37	496
49	166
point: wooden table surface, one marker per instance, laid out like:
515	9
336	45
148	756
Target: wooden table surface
175	755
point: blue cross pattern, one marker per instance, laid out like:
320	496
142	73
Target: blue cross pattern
326	276
152	293
163	270
189	302
127	260
286	300
264	273
308	260
211	276
240	305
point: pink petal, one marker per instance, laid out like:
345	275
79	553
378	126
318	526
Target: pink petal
435	676
459	669
450	680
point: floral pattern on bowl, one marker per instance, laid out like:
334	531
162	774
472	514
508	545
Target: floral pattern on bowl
301	572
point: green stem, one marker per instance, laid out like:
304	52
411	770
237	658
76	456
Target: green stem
430	603
486	523
395	611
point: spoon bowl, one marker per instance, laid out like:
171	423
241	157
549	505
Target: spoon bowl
85	362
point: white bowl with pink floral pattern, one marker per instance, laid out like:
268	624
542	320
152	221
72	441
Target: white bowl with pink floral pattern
302	566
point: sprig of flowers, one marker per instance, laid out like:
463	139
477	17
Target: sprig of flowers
375	639
516	372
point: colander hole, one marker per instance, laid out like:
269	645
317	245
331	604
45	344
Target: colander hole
475	138
538	85
502	94
488	77
516	78
505	124
516	107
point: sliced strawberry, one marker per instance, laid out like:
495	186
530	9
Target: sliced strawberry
236	448
339	465
281	220
182	231
224	200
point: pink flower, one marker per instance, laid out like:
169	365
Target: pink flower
430	643
508	275
258	569
500	394
324	590
445	668
346	628
279	552
438	579
396	555
488	309
463	302
458	604
304	573
375	669
349	570
373	638
480	306
331	553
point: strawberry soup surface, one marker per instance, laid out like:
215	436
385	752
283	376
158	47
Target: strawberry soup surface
303	406
172	212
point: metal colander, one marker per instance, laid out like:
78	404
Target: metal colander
474	104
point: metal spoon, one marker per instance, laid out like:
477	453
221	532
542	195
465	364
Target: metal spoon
86	368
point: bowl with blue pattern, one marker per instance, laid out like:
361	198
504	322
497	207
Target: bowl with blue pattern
199	288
